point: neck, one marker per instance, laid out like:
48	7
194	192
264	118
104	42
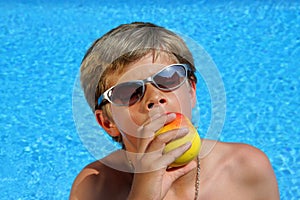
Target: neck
185	186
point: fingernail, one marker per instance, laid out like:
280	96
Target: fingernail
188	145
155	116
184	130
171	115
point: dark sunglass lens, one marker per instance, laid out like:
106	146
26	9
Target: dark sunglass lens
170	78
127	93
136	95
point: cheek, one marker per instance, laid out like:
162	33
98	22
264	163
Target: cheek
125	120
184	100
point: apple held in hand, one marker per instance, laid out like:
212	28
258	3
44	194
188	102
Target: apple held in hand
192	136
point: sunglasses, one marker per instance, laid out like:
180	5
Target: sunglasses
128	93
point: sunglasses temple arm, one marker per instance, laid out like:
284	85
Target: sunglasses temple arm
100	99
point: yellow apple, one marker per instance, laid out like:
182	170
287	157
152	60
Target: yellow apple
192	136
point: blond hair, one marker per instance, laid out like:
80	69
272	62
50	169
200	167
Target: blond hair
122	46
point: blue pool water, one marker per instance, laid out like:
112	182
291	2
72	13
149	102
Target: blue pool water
256	46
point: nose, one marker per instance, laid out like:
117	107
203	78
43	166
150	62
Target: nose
153	97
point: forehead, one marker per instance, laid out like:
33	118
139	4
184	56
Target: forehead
145	67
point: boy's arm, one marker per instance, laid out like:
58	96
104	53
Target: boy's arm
84	185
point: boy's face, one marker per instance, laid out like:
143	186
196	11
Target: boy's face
131	119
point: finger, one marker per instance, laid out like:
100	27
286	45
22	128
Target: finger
159	120
150	159
146	133
148	129
153	124
175	173
171	156
161	140
171	117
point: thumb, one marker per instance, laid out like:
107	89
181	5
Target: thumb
176	173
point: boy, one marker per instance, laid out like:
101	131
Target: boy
131	111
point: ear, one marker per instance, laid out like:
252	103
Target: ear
106	124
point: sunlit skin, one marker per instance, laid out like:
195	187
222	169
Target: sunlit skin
192	137
230	171
152	106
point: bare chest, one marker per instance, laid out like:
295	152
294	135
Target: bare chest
223	187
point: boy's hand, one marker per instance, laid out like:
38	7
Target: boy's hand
153	179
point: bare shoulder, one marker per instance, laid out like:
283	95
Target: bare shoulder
247	167
239	152
85	180
249	161
98	180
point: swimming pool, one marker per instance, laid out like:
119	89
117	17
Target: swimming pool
255	45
